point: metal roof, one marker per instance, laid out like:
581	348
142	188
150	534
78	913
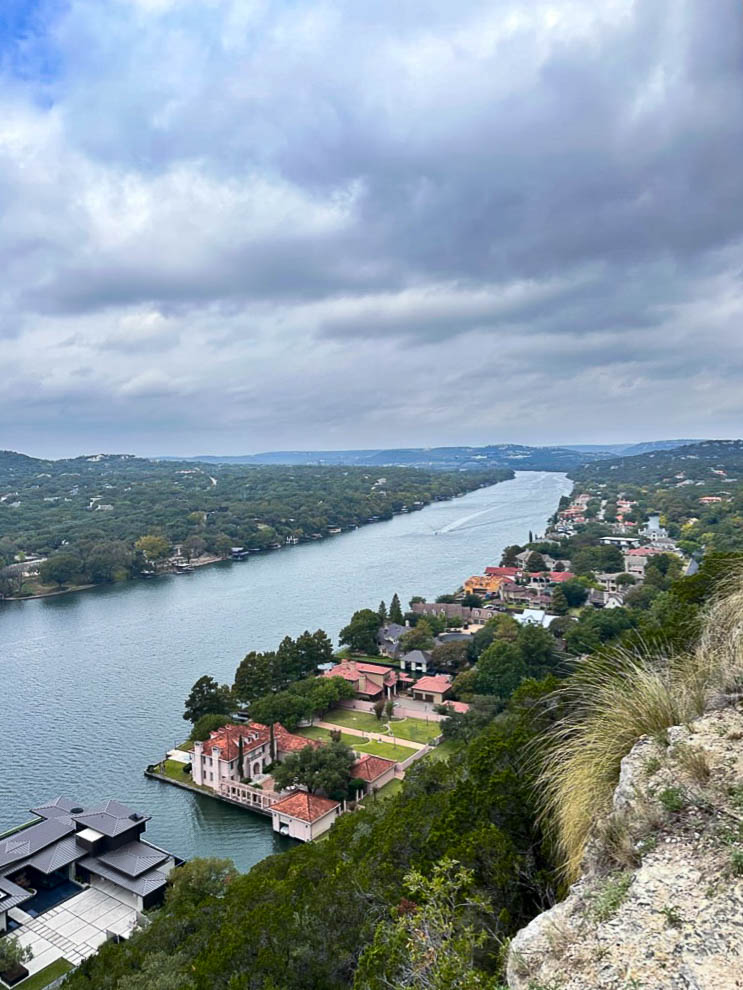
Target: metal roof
11	895
111	818
58	807
30	840
134	858
57	855
141	885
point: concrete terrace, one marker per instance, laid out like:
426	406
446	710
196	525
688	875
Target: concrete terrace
75	929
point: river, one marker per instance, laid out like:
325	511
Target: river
92	684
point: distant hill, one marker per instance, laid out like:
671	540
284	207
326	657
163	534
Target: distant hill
630	449
504	455
701	461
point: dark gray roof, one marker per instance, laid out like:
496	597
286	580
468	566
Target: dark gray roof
58	807
111	818
417	656
142	885
21	845
59	854
134	858
11	895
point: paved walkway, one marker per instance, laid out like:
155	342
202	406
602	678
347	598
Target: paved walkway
376	736
76	928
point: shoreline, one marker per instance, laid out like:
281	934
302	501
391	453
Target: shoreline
211	559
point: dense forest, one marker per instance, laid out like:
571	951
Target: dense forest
456	861
92	511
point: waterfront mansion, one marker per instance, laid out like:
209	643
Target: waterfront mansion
236	753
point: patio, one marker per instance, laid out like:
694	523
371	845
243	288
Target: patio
74	929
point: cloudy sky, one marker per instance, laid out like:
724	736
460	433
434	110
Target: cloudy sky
239	225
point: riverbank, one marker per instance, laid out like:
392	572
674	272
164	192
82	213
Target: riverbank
111	668
183	566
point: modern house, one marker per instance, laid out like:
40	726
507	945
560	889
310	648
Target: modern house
432	689
304	816
75	877
370	680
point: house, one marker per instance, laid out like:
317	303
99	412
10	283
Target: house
303	816
482	584
432	688
374	771
238	752
388	638
535	617
417	661
608	581
370	680
68	848
503	572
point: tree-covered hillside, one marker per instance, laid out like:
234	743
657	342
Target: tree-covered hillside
99	507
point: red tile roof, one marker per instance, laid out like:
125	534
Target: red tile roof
306	807
253	734
439	683
559	576
370	767
356	672
502	571
458	706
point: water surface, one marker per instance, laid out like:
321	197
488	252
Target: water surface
92	684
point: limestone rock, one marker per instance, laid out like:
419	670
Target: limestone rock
670	916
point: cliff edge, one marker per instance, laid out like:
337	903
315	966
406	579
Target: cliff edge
659	904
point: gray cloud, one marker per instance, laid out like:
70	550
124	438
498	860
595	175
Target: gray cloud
232	226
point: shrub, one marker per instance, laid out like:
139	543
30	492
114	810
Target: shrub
611	897
614	699
672	798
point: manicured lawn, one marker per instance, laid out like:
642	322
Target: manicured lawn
46	975
415	729
174	770
389	751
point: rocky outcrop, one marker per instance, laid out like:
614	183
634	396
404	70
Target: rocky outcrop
659	904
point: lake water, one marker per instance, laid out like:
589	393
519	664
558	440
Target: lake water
92	684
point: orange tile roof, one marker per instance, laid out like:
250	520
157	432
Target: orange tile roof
306	807
438	683
253	734
370	767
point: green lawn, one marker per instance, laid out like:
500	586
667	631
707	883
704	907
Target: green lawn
389	751
174	770
45	976
415	729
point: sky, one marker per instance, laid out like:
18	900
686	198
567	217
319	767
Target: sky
229	226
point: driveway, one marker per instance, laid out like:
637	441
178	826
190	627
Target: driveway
75	929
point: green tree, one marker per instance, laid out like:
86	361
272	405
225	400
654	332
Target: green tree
500	669
575	592
62	568
420	637
199	882
395	613
153	547
207	724
360	635
509	556
325	768
379	708
255	676
207	698
432	941
537	646
536	563
471	600
559	602
13	954
450	657
382	612
286	707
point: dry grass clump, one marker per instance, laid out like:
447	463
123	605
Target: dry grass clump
614	699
